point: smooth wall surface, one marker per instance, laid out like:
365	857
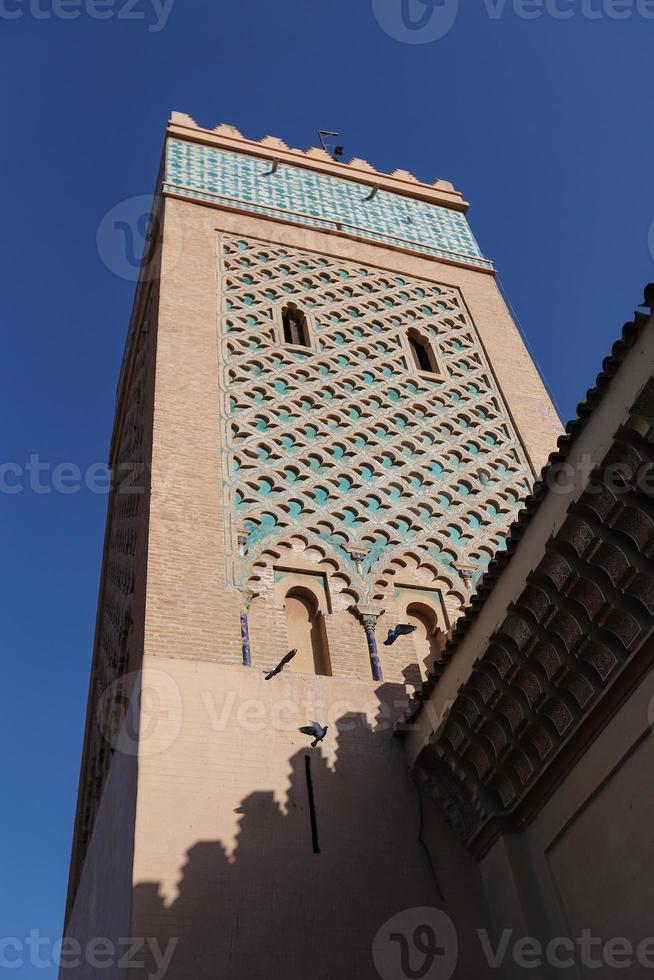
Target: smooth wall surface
224	849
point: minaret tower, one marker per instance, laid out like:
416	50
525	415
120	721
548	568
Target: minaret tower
326	422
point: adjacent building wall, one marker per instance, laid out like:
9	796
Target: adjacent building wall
586	863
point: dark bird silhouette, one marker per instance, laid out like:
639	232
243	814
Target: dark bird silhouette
282	663
649	296
316	730
402	629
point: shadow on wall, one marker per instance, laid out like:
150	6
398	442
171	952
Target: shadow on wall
309	885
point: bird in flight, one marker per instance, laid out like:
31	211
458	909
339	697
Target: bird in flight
317	731
282	663
402	629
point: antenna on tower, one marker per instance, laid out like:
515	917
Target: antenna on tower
334	151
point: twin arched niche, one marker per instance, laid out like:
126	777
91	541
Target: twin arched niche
305	625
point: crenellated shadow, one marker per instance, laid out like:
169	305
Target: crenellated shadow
278	908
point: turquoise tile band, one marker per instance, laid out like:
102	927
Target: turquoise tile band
303	197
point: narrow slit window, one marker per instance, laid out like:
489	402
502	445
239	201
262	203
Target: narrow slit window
296	331
423	354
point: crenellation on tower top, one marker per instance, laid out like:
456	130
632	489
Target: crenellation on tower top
400	181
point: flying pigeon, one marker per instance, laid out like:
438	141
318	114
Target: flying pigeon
402	629
282	663
317	731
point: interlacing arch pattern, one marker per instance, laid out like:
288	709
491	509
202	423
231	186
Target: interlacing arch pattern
344	443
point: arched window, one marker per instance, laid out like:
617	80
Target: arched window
306	633
428	639
423	355
296	329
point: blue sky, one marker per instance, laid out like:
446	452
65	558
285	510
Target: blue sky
543	123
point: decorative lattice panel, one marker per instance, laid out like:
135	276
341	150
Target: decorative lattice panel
345	443
319	201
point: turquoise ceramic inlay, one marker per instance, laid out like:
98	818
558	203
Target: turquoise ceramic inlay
257	531
318	200
404	528
326	443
